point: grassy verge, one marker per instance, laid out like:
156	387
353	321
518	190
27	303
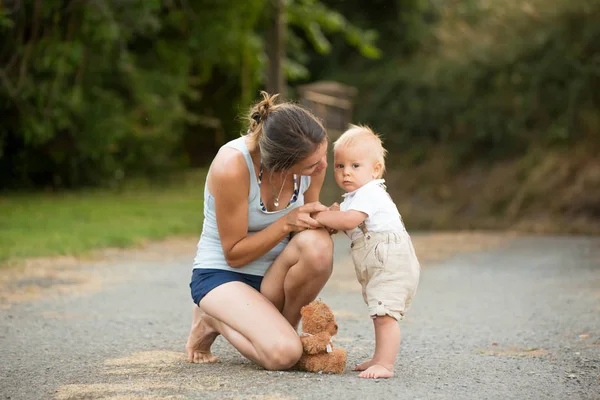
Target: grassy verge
73	223
543	192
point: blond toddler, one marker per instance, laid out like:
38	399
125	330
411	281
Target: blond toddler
384	258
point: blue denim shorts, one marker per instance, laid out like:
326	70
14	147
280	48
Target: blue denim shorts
205	280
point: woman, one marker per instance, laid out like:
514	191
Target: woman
261	256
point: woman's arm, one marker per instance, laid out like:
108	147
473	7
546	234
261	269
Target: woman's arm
314	190
229	184
341	220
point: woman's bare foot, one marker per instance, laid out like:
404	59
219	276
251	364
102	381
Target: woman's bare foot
376	371
202	336
363	366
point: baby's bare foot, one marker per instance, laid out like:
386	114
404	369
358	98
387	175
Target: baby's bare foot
376	371
202	336
363	366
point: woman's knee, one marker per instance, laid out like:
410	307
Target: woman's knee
283	353
316	251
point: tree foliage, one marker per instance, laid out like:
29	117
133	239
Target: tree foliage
490	79
91	91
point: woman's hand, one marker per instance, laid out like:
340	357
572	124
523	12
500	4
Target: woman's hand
334	207
300	218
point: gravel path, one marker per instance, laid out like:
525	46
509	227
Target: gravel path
496	317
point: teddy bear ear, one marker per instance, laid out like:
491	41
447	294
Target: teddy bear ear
324	313
303	310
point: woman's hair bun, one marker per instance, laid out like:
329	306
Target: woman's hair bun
261	110
264	107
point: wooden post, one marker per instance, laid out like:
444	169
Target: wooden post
332	102
276	48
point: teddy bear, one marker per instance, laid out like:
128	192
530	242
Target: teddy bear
318	327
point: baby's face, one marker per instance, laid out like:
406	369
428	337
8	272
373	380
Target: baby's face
354	167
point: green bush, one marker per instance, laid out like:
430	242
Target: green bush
91	91
490	82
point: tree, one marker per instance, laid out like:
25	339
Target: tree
94	91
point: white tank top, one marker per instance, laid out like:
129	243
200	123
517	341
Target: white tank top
210	252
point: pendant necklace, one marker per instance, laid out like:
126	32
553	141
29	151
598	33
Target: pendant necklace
295	193
276	202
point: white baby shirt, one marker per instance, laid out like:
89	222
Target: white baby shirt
373	200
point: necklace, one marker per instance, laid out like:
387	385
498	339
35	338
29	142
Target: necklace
276	202
293	200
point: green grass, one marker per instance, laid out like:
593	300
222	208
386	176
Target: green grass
73	223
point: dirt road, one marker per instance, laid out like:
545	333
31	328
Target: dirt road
496	317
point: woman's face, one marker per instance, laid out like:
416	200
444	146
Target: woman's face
314	164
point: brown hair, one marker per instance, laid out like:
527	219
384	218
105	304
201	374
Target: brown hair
283	133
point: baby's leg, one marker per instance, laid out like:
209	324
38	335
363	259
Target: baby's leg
379	340
387	344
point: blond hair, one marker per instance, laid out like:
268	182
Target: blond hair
361	134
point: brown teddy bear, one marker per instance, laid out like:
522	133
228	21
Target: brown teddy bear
318	327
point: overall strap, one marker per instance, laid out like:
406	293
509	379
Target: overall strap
364	230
